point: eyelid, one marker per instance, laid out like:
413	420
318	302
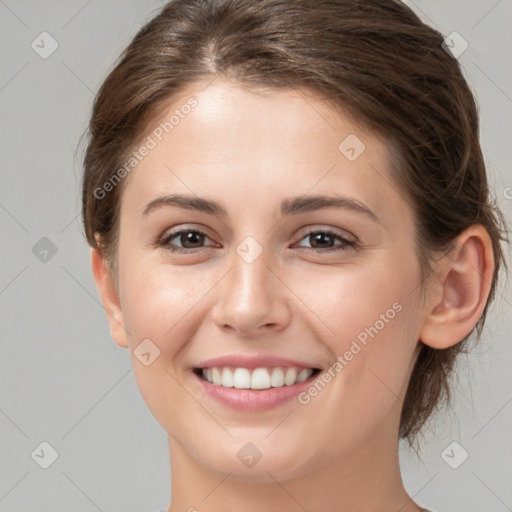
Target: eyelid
347	240
344	243
173	232
342	233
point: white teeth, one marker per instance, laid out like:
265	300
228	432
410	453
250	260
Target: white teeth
242	378
304	375
216	378
227	378
277	379
290	376
259	378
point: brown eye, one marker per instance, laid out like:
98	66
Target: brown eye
325	240
188	240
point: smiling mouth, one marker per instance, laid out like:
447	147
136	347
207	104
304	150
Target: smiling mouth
256	378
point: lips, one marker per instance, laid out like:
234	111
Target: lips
255	361
253	383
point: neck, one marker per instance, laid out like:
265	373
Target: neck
365	479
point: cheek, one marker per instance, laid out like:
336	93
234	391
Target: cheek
363	302
372	328
156	307
155	299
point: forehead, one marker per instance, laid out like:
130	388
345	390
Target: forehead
220	136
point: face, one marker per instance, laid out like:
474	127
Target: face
291	250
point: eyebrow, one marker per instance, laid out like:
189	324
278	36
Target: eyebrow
291	206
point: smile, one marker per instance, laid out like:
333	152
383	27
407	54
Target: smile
253	389
257	378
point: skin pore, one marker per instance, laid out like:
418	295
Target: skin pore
250	151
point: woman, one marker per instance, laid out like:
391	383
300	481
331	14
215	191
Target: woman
291	231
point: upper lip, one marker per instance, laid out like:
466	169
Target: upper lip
256	361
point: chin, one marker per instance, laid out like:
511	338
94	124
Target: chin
258	462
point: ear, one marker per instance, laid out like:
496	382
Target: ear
109	297
459	290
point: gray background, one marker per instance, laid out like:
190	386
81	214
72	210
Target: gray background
64	381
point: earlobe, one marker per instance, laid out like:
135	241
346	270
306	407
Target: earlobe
463	280
109	297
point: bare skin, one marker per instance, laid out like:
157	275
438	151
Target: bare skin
249	151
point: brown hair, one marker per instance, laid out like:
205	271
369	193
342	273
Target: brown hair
373	58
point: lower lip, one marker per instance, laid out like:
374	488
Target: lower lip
253	400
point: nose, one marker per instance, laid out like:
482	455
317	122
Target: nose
252	299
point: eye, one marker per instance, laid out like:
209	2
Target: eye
322	240
191	240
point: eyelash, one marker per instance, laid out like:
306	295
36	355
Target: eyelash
164	242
